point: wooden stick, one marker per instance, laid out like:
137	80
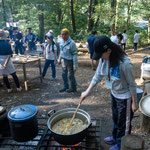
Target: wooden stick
72	118
74	115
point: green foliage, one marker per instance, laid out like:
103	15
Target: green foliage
57	16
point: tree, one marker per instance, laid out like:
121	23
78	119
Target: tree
146	5
90	21
72	16
4	12
117	13
113	16
128	13
41	20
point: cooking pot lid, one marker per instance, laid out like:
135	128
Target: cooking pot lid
22	112
145	105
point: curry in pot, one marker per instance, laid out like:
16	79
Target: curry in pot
62	126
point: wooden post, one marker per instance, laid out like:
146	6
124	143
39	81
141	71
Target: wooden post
132	142
145	124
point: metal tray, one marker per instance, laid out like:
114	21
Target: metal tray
145	105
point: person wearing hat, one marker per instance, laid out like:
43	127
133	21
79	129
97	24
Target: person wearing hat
69	61
115	65
50	53
51	32
18	38
30	39
6	65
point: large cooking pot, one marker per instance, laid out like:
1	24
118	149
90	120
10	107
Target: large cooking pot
23	122
68	113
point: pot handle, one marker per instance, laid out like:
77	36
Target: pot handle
51	112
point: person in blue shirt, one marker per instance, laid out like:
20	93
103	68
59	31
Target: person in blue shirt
91	49
30	39
18	39
10	32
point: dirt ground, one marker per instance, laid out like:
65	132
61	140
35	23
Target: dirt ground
45	96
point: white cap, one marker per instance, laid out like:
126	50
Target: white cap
51	31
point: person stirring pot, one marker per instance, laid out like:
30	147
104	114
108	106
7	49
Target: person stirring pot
116	66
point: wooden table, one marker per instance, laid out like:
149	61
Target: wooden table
24	63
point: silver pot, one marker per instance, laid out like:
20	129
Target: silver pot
68	113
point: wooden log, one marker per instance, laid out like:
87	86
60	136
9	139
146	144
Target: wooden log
145	124
132	142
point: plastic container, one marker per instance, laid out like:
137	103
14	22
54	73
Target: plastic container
139	94
145	70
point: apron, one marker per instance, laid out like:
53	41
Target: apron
9	68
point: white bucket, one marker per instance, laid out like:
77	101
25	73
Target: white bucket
145	70
147	86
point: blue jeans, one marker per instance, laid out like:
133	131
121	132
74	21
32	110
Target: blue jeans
31	46
123	45
46	65
135	46
122	116
68	73
18	46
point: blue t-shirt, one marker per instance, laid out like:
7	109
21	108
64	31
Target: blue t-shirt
30	37
5	48
91	42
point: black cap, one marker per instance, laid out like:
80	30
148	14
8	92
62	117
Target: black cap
94	32
101	44
15	28
29	28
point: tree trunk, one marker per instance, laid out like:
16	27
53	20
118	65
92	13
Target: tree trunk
90	21
113	16
145	124
117	14
128	14
149	30
41	21
59	14
132	142
4	12
72	16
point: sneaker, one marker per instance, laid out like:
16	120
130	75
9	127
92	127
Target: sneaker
63	90
71	90
19	89
115	147
110	140
9	90
52	79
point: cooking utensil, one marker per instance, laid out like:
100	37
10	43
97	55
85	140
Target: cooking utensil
74	115
72	118
23	122
68	113
144	105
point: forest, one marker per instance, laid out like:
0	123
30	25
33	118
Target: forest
79	16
